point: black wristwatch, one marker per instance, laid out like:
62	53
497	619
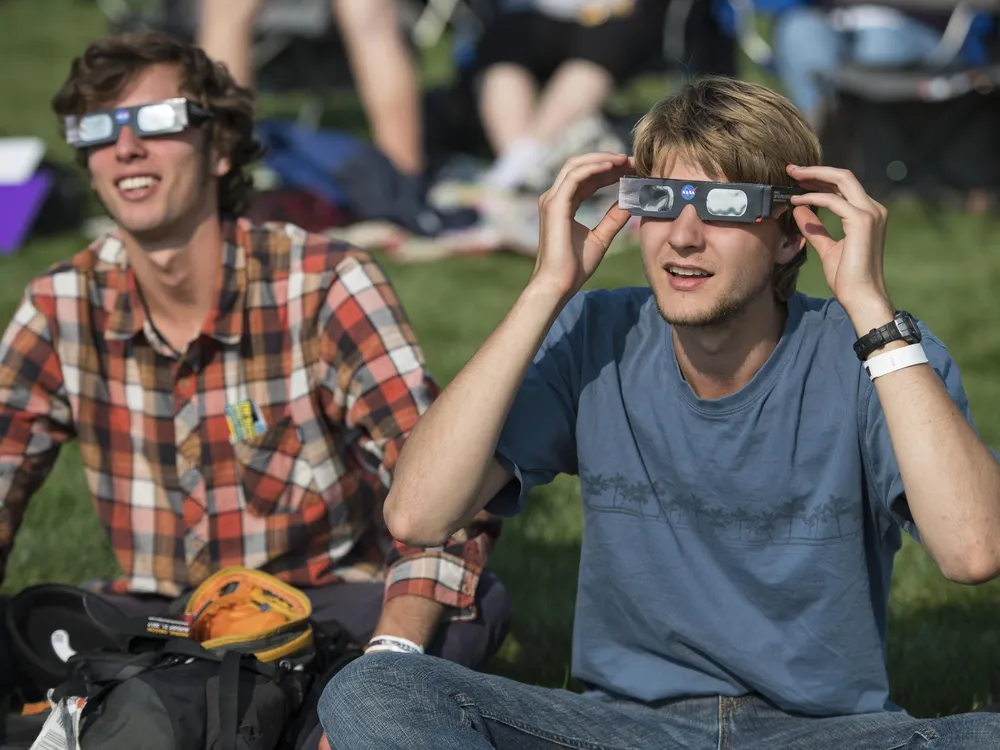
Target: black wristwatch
902	328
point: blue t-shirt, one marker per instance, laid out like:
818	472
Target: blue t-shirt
730	545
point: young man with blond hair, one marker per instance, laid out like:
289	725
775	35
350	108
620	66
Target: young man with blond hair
747	456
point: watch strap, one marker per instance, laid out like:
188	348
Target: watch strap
876	338
902	327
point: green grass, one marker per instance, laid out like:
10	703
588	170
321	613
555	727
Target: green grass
944	638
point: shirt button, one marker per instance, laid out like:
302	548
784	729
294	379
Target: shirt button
190	480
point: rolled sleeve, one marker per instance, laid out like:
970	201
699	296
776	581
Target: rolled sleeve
35	416
450	574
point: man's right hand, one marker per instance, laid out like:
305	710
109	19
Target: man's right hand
568	251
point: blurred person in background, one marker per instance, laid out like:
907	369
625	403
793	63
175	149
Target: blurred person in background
811	38
382	64
549	64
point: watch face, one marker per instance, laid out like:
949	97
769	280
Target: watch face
908	328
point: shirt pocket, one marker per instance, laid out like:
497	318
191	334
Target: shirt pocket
270	468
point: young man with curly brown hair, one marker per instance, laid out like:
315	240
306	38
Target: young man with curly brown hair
240	393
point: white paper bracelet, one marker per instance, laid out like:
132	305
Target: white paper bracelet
897	359
392	643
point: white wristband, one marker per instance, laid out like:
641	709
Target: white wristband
897	359
392	643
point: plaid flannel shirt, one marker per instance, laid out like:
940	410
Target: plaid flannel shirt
311	332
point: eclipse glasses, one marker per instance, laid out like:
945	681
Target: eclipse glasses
146	120
714	201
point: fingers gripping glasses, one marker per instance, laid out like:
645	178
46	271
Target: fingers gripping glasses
714	201
152	119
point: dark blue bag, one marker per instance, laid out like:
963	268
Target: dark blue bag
353	174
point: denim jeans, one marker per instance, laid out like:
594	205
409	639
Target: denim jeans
391	700
806	44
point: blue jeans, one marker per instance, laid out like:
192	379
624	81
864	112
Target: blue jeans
805	44
390	700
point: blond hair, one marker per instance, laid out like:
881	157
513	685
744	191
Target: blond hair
734	130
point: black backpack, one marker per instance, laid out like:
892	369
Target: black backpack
147	685
169	693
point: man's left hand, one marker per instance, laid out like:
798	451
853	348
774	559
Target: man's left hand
852	265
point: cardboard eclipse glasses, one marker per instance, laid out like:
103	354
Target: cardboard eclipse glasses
147	120
714	201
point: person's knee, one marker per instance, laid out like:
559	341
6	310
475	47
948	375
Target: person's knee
367	682
495	608
974	730
377	690
987	724
979	729
352	685
359	695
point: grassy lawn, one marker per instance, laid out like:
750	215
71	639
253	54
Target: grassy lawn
944	647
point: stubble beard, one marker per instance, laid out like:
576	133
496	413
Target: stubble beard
731	304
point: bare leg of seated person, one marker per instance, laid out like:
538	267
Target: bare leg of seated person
384	70
521	130
507	105
385	74
225	32
579	88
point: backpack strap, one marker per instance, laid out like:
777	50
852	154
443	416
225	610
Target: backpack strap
335	648
192	649
186	647
91	673
229	698
231	664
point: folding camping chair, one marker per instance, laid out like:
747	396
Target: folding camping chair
927	130
432	18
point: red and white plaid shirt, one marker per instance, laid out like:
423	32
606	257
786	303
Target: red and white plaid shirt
311	333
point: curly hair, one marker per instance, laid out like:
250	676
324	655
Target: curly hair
743	131
108	65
